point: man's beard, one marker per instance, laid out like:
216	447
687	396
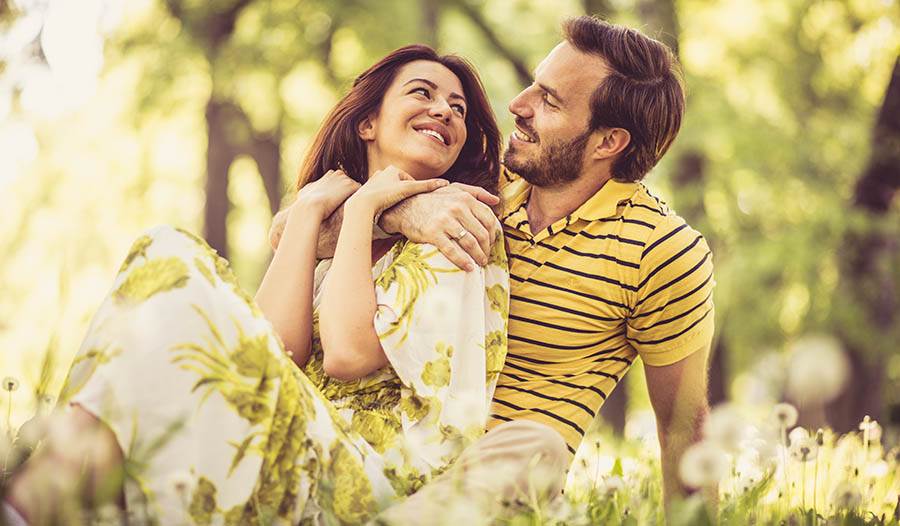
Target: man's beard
558	163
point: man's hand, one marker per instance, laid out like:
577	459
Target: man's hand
457	219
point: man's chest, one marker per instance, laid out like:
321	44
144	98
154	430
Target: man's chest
578	281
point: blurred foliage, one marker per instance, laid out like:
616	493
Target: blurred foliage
782	101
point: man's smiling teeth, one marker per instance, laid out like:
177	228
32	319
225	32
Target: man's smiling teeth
434	134
522	137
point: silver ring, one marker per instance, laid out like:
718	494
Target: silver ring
462	234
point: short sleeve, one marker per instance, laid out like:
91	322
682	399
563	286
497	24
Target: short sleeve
443	330
673	313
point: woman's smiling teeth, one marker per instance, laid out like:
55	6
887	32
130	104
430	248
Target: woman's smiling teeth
434	134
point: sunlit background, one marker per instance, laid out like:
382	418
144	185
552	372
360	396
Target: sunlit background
117	116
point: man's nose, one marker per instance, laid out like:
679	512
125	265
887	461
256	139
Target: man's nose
519	106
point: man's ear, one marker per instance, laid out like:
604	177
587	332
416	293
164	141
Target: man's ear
611	143
366	128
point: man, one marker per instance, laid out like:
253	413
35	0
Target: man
602	272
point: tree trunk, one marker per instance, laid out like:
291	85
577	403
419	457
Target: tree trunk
868	298
266	151
431	10
219	156
661	20
615	408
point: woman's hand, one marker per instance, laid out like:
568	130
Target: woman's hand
324	195
387	187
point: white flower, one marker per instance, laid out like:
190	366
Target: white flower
872	427
877	469
785	415
846	496
181	483
612	484
703	464
725	427
10	384
818	370
797	434
804	449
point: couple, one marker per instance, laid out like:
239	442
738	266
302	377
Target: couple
363	379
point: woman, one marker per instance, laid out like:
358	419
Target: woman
195	394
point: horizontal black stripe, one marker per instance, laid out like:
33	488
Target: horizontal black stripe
632	221
676	300
563	309
572	291
560	382
669	261
660	240
673	336
591	276
551	398
527	359
525	259
605	236
520	223
566	421
614	359
556	345
543	376
552	325
638	205
605	351
678	317
499	417
602	256
504	218
676	280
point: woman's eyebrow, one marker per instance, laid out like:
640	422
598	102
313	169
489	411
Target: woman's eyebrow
435	86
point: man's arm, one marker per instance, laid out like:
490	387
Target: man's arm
678	394
432	218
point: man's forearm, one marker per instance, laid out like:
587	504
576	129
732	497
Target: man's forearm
673	447
328	234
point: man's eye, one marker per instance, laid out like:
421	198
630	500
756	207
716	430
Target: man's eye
459	108
546	100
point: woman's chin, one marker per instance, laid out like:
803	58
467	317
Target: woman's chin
423	169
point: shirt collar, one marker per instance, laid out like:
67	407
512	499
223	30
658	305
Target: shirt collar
601	205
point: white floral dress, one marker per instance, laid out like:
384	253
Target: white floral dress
219	426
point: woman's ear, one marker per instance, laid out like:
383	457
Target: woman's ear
366	129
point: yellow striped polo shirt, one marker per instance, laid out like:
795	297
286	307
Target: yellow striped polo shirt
621	277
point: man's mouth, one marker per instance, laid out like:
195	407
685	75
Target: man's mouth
519	135
434	133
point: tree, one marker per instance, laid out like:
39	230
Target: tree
870	291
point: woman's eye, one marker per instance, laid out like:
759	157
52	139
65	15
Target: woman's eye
423	91
459	108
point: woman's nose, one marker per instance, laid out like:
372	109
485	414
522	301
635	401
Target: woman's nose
440	109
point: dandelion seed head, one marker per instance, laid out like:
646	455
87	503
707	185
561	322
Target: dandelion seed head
797	434
612	484
846	496
703	464
804	449
818	369
181	483
725	427
785	415
10	384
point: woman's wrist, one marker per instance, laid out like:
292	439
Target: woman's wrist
360	205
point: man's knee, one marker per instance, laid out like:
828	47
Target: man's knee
533	439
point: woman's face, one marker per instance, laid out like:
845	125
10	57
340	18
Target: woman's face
420	127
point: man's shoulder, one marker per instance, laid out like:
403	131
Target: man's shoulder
667	234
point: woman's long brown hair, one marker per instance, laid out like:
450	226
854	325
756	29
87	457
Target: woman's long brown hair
338	145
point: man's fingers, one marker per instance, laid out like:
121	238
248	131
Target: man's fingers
451	250
479	193
470	244
477	242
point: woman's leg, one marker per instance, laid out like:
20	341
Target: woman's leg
78	465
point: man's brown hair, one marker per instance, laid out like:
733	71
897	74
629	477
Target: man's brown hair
643	93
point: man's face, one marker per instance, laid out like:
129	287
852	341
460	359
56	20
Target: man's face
552	117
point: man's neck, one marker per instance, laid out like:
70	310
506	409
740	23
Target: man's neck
549	204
